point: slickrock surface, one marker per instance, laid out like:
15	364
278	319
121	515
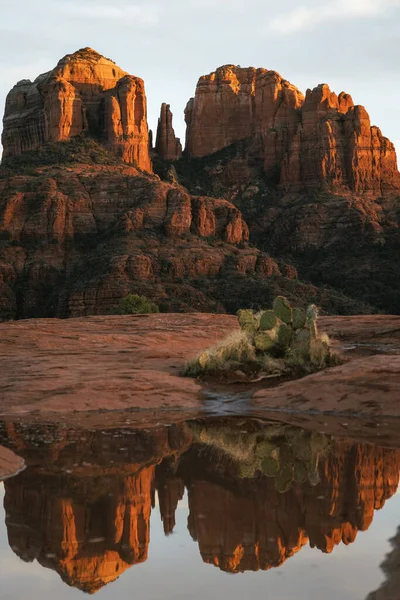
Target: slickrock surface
134	362
84	93
303	141
168	146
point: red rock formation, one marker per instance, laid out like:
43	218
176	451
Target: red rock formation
303	142
170	492
255	527
154	230
90	540
84	93
168	147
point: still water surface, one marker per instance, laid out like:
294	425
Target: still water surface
206	509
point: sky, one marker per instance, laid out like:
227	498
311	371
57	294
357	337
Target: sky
353	45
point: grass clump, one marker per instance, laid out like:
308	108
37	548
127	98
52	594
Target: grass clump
133	304
272	343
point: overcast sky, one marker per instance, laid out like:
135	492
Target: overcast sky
353	45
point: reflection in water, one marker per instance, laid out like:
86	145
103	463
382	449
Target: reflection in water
257	492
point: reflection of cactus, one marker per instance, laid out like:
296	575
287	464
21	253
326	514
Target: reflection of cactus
283	309
287	454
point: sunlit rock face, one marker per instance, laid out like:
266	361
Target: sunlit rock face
303	142
84	93
168	146
253	526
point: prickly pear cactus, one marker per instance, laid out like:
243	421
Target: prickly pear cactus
247	321
311	320
299	318
285	335
265	341
268	320
283	310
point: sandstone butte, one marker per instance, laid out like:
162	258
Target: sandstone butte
303	142
93	524
84	93
85	222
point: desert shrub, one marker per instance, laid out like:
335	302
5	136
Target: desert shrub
133	304
270	343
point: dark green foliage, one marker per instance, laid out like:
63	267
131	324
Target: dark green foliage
79	149
134	304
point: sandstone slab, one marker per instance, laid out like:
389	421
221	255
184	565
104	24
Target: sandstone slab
134	362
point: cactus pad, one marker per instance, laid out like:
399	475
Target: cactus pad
299	318
283	310
268	320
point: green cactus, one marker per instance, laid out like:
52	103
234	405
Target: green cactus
311	320
268	320
284	478
265	341
247	321
302	447
299	318
313	472
285	335
301	344
283	310
265	448
270	466
300	474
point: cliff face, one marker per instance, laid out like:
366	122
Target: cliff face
80	229
84	93
322	139
77	237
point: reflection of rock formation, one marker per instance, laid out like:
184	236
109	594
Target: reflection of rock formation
170	491
89	539
249	525
390	589
83	505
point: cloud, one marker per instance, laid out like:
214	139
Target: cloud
305	17
139	15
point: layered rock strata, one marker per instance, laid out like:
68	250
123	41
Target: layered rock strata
303	142
85	93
